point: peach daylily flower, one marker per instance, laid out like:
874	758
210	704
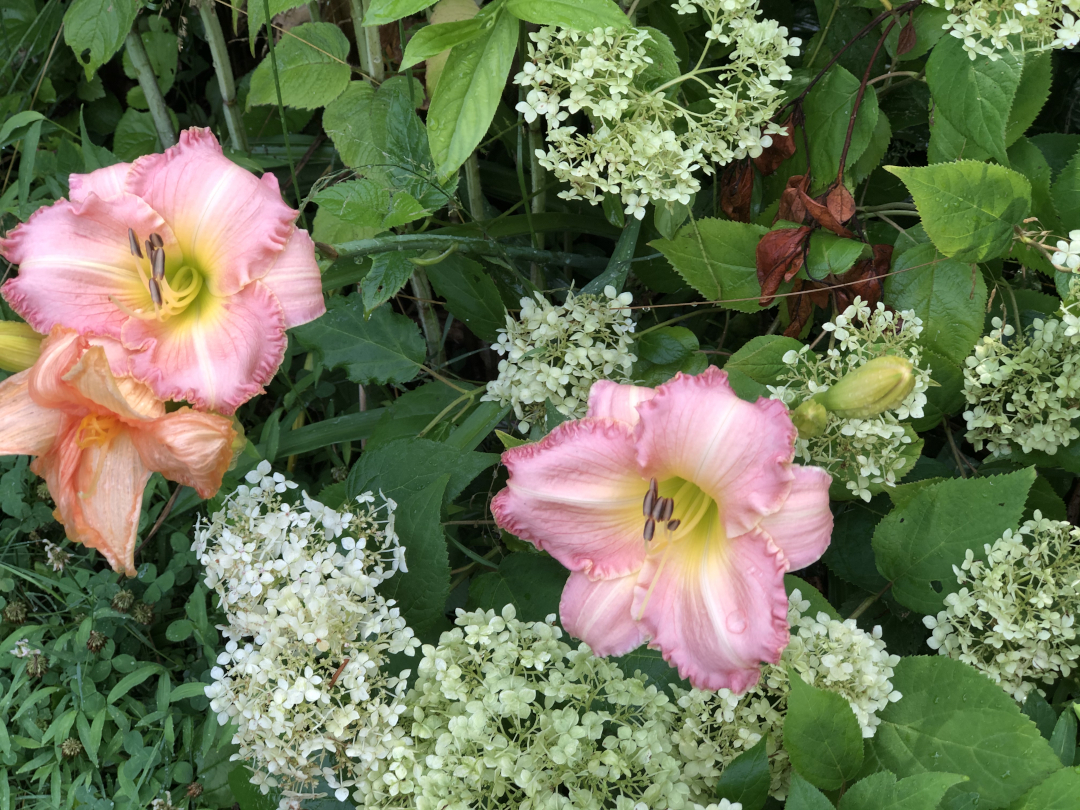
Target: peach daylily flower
188	263
98	438
699	576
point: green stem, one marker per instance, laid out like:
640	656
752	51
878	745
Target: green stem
429	320
476	194
368	43
676	319
824	33
148	82
281	104
223	69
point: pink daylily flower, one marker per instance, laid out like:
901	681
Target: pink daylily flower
188	263
707	589
97	439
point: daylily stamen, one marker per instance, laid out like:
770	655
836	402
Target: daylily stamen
157	263
650	529
155	292
133	242
650	498
96	430
156	240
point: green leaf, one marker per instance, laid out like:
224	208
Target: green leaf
247	794
368	204
746	779
968	209
532	583
804	796
662	353
582	15
431	40
947	143
385	348
1031	95
311	69
135	135
828	110
131	680
821	735
875	151
1063	740
388	274
718	259
953	719
1041	713
762	358
95	30
618	266
161	50
928	30
471	295
830	253
179	630
974	95
356	126
651	664
850	555
381	12
256	17
949	296
817	600
465	100
917	545
1066	194
1060	791
1027	159
881	791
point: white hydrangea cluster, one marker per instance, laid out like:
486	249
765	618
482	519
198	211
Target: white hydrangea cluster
986	26
1024	390
505	714
1067	256
865	454
307	634
640	143
558	352
715	727
1014	616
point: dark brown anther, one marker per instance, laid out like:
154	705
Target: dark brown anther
664	508
157	264
649	503
155	240
133	242
155	292
149	247
672	525
650	529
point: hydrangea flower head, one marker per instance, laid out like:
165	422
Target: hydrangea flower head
188	264
1014	618
97	439
726	514
992	27
866	453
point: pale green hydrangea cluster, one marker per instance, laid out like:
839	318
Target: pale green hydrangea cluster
302	673
989	27
558	352
641	145
506	714
716	727
864	454
1024	390
1014	616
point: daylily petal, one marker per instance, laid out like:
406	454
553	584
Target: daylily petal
231	224
60	351
296	280
615	401
739	452
75	263
216	356
194	449
92	381
598	613
803	526
98	493
577	495
105	183
26	429
717	607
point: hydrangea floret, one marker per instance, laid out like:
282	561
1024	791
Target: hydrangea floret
990	27
1024	388
641	144
1067	256
506	714
558	352
308	637
1014	615
716	727
865	454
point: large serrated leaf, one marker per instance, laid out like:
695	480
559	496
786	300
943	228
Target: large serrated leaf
821	735
582	15
311	65
95	30
828	109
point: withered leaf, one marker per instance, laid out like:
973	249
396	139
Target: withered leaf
783	147
906	41
736	187
800	308
791	204
780	255
866	279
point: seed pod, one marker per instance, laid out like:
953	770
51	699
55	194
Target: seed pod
810	419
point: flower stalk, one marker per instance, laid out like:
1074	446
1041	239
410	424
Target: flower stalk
149	84
368	43
223	69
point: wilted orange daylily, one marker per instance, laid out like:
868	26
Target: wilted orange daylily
97	439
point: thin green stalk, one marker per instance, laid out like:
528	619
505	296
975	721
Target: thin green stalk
281	106
476	194
429	319
148	82
824	33
223	69
368	43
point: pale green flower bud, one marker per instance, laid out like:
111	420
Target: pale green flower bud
879	385
19	346
810	419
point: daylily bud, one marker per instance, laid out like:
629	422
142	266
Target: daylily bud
879	385
19	346
810	419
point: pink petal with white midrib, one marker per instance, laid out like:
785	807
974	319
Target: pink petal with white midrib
296	281
802	527
598	613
